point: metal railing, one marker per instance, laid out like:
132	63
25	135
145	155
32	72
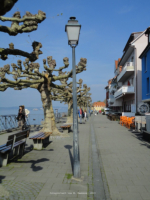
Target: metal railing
9	122
128	67
124	90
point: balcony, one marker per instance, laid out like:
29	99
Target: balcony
111	99
117	102
112	88
127	71
124	90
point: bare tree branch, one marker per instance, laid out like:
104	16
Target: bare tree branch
30	22
32	56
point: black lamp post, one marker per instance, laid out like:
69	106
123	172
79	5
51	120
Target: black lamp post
73	32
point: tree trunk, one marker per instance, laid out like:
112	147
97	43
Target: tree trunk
70	113
49	118
55	131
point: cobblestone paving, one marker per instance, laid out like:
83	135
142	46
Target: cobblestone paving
20	190
46	174
90	173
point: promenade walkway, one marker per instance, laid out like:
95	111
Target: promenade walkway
115	164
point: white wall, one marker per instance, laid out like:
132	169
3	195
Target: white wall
140	45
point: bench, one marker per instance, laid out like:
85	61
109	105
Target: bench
40	139
66	128
14	147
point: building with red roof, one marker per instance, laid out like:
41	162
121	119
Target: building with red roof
98	105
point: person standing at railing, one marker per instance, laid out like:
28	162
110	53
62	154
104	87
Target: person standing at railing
21	117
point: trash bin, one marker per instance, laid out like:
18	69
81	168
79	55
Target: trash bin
148	122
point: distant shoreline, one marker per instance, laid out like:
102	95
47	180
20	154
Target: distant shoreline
16	107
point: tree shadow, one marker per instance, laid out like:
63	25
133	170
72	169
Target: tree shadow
33	163
69	147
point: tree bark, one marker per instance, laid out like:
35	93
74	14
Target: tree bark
70	113
49	124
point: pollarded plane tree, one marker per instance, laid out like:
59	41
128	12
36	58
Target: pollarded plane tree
27	23
67	97
85	101
82	98
31	77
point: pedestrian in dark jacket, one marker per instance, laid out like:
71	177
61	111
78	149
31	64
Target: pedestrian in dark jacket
21	117
82	113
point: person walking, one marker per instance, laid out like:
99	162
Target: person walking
90	112
21	117
85	116
80	115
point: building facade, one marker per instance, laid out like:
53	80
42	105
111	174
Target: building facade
126	87
111	88
145	58
130	78
98	106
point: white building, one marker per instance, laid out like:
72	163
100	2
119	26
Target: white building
114	104
129	80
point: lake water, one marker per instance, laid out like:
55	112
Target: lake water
35	116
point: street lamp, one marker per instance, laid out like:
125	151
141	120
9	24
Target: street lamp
73	32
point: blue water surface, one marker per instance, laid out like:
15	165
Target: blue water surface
35	116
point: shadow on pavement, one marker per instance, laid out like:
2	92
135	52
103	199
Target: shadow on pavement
139	136
46	144
70	155
147	145
28	149
47	149
1	178
34	163
36	128
60	129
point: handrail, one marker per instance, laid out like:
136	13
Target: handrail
8	122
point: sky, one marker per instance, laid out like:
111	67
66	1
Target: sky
105	29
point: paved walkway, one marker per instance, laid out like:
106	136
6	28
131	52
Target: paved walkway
115	164
126	160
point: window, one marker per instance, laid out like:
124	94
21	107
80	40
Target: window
145	63
148	85
132	59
